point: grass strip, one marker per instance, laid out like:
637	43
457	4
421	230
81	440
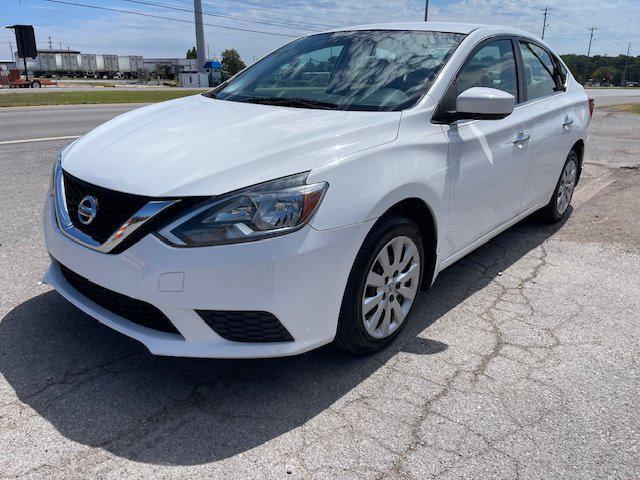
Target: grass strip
627	107
91	97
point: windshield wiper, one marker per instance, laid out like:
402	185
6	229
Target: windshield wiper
291	102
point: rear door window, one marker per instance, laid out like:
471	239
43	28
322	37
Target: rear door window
539	71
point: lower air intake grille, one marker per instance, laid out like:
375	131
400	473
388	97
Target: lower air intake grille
136	311
246	326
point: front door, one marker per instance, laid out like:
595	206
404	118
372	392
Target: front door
488	159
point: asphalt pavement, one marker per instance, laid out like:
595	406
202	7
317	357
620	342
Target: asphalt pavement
614	96
520	362
30	123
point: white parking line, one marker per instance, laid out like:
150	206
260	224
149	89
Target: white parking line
28	140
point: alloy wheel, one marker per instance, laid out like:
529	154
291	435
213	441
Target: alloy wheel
566	187
391	287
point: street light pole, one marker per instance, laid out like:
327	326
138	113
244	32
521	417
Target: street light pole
200	53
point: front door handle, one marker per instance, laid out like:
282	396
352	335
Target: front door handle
567	121
521	137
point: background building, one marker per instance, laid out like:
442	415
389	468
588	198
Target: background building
172	66
6	65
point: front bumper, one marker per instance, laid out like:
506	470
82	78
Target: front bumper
299	278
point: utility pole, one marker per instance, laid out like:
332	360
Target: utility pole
50	43
13	59
426	10
200	54
586	65
544	21
624	72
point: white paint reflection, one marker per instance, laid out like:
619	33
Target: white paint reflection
483	142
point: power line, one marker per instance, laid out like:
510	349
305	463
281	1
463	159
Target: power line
566	17
131	12
232	17
270	13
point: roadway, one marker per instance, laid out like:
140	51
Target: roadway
26	123
614	96
520	362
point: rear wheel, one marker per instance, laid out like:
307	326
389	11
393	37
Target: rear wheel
36	84
382	286
561	198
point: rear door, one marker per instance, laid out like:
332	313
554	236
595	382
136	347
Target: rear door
488	159
550	123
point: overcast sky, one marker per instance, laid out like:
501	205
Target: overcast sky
100	31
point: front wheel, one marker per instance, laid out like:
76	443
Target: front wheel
382	286
36	84
561	198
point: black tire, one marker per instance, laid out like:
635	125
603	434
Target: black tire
36	84
351	334
550	213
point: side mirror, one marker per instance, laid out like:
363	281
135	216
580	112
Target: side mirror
480	103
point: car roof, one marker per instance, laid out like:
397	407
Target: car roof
425	26
451	27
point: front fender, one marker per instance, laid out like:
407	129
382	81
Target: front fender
365	185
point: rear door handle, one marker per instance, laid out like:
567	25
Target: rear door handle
567	121
521	137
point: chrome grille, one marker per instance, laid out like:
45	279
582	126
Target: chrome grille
114	208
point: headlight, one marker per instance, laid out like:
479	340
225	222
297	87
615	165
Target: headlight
265	210
52	179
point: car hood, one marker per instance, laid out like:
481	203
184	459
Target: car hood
201	146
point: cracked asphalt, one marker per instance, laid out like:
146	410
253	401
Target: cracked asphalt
520	363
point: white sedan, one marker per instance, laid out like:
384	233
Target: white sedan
310	198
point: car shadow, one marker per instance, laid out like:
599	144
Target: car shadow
102	389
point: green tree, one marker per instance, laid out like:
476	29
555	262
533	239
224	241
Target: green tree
160	72
191	53
584	68
231	62
607	75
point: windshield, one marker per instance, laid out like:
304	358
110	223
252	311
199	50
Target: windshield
380	70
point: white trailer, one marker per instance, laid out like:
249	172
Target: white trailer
54	62
130	65
107	65
46	62
69	62
89	66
